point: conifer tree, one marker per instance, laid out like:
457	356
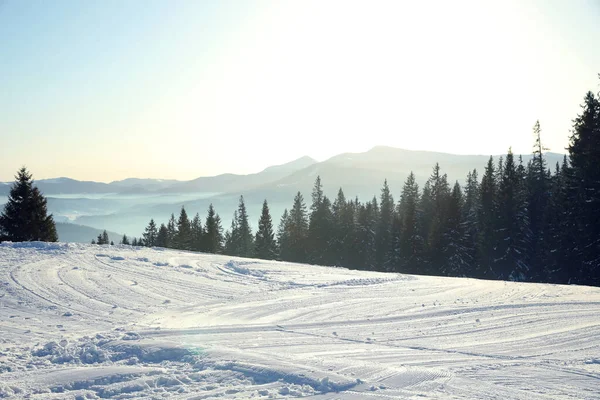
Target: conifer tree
412	243
162	237
125	240
384	229
297	230
196	234
584	191
245	239
283	241
487	219
436	234
25	217
232	247
320	227
471	211
150	234
214	232
183	236
172	232
265	245
134	242
513	224
456	251
105	239
367	220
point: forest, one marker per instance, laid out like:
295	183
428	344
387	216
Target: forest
533	222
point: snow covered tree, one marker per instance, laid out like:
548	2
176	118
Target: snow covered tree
25	217
265	245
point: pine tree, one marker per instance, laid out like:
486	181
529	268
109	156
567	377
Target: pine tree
105	239
134	242
283	242
343	231
93	241
265	245
184	231
471	211
197	234
487	219
384	229
245	239
162	237
367	220
25	217
513	224
232	247
458	261
150	234
584	191
411	243
319	227
172	232
297	230
112	243
125	240
438	224
213	242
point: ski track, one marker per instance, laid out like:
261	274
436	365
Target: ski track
86	321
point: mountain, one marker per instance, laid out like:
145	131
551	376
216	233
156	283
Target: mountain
82	234
362	174
237	183
137	185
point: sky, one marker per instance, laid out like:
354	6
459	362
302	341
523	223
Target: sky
108	89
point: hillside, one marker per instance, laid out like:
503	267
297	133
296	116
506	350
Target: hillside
86	321
82	234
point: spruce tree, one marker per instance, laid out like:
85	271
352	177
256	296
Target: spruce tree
150	234
487	219
411	243
456	251
265	245
584	191
384	228
105	239
162	237
184	231
213	238
512	231
244	237
197	234
471	212
172	232
320	227
125	240
25	217
297	230
283	241
367	220
232	242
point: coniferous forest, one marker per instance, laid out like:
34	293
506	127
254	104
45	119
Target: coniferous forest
509	221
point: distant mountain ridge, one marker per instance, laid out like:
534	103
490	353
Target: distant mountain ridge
358	173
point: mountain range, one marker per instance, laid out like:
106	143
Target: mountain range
127	205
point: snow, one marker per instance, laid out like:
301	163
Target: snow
85	322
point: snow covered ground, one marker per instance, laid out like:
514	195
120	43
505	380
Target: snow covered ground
85	322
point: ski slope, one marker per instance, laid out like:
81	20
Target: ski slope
84	321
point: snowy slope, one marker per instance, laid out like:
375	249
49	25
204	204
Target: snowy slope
84	321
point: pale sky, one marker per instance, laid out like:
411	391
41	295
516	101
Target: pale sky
109	89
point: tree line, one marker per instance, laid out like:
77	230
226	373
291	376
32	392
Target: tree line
523	222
